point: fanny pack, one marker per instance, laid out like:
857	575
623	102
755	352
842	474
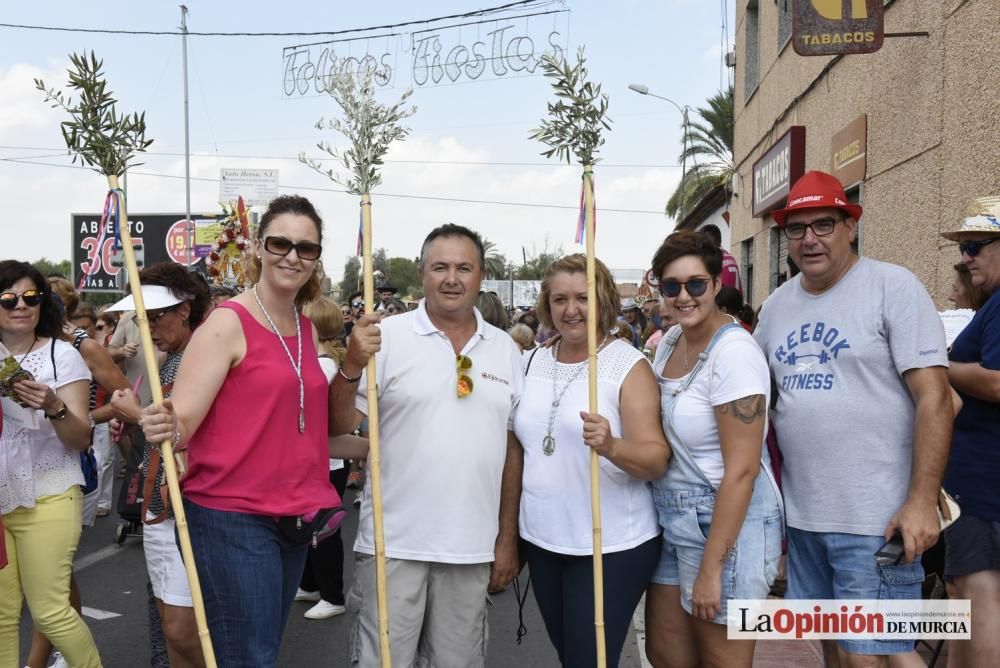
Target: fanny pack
311	527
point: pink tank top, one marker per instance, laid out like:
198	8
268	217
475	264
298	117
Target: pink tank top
248	455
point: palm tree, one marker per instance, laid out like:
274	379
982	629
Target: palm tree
496	263
711	140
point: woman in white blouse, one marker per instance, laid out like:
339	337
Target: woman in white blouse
45	427
557	435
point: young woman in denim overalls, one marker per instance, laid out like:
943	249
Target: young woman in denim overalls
718	504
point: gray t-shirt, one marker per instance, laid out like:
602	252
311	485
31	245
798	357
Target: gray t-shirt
845	416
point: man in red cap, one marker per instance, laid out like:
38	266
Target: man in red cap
863	416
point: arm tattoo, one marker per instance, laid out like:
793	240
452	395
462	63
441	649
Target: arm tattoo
747	409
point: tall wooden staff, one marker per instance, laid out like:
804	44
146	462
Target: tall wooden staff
107	142
371	128
575	125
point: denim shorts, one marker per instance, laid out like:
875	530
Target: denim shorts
749	569
843	566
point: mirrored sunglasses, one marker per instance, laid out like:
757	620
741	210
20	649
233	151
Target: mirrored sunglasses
695	287
465	385
306	250
31	298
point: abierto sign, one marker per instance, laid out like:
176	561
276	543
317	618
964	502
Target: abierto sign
774	174
837	27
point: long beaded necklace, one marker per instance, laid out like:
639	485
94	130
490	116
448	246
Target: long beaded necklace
296	365
549	442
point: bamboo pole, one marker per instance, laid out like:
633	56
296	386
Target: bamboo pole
169	465
374	453
595	480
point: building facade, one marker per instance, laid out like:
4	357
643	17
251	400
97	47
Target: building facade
913	129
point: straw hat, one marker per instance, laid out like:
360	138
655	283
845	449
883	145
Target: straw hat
982	217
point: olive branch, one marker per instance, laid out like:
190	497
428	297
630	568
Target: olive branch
97	134
369	126
578	117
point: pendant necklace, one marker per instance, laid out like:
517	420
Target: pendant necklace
296	366
549	442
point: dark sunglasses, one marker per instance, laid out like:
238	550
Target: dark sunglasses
31	298
695	287
821	227
357	304
306	250
970	248
392	310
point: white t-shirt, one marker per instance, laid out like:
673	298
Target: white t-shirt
442	456
33	461
555	496
330	368
735	368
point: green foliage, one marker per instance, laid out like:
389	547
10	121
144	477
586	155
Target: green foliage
537	262
404	275
48	268
496	262
369	126
352	276
97	134
578	117
710	140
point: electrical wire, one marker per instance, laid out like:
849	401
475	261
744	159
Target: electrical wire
479	12
459	200
295	158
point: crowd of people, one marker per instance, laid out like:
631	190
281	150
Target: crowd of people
737	449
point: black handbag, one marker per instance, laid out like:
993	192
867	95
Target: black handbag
312	527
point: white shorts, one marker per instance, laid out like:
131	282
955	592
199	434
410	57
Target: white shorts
164	563
90	508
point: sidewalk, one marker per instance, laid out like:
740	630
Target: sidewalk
768	654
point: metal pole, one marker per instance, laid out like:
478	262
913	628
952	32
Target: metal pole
187	141
684	141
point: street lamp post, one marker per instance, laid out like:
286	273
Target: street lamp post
643	89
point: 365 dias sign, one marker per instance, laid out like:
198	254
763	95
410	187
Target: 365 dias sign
162	236
836	27
473	51
774	174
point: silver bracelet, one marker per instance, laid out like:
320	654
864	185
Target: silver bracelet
348	378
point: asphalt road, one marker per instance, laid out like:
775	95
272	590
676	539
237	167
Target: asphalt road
112	580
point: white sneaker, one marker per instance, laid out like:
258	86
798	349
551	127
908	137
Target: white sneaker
303	595
59	662
324	610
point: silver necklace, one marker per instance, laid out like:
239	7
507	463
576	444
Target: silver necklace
296	365
549	442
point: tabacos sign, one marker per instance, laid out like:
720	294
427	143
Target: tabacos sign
776	171
835	27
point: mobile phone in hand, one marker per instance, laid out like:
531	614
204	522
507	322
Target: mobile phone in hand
892	552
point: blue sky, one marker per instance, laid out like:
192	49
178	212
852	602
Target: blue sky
237	109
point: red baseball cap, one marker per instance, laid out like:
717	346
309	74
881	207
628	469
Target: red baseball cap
817	190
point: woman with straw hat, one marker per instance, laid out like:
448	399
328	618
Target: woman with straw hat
972	548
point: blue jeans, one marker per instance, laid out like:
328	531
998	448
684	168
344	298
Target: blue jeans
564	589
843	566
249	574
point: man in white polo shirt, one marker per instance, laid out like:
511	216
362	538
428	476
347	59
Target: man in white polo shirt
447	384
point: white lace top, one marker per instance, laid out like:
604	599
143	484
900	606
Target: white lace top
555	499
34	462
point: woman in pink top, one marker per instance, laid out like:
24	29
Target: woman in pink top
249	407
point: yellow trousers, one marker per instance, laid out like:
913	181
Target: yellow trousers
41	542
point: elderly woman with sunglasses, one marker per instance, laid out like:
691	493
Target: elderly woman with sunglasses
176	301
972	544
718	505
557	435
250	407
45	427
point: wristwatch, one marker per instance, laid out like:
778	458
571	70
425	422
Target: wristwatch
59	414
